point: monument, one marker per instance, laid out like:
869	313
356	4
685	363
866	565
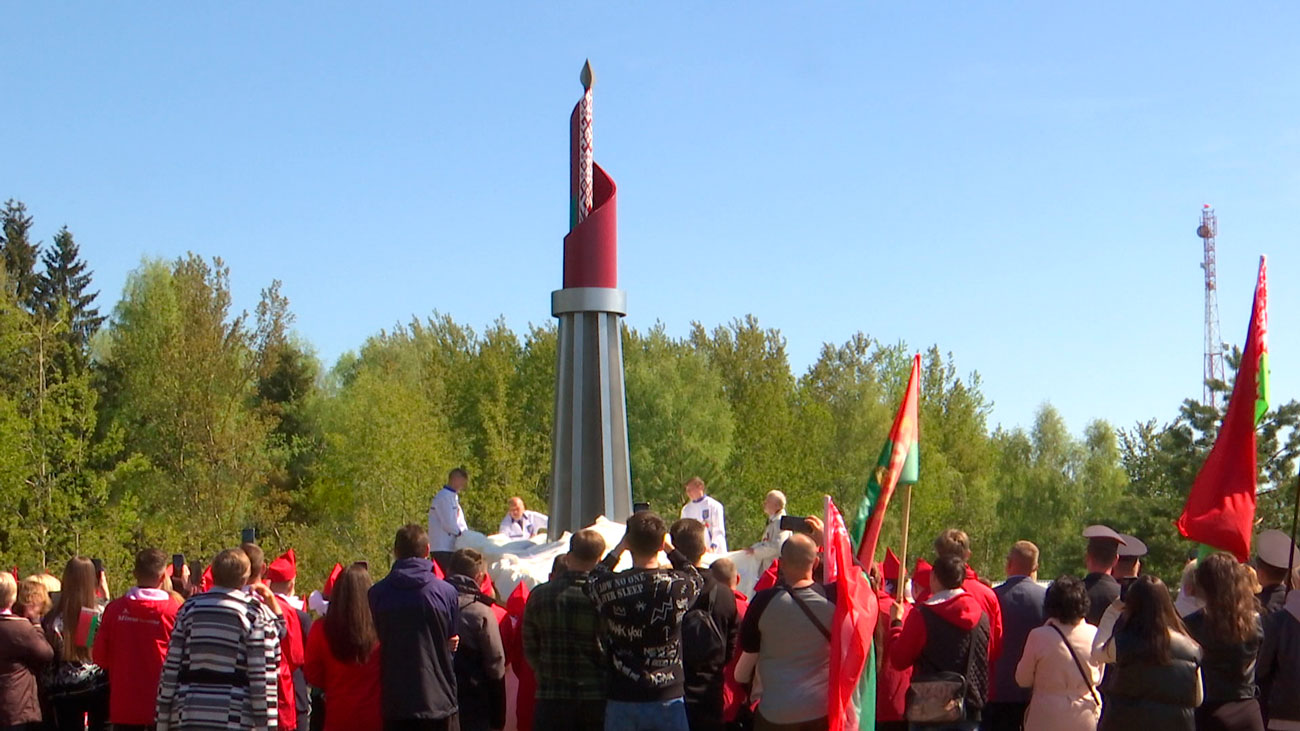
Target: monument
589	460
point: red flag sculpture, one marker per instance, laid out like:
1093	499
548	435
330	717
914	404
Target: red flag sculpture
1220	509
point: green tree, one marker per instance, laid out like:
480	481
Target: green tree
679	424
180	370
20	252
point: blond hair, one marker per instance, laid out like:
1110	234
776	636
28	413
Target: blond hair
8	590
776	495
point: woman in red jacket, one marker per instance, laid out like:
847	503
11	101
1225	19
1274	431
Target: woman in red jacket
343	656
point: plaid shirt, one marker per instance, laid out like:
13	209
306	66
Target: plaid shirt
562	640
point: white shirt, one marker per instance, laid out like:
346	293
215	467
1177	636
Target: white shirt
709	512
773	537
526	527
446	520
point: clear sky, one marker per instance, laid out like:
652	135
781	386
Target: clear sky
1016	182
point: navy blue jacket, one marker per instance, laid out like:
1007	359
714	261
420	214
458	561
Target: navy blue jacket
1022	601
415	615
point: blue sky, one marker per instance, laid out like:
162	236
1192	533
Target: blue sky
1016	182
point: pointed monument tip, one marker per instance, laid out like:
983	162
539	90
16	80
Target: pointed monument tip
588	77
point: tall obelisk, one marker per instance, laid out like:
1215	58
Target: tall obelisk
589	460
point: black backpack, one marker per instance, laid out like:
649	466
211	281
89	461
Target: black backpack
704	647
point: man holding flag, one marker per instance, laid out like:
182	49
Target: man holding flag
1220	509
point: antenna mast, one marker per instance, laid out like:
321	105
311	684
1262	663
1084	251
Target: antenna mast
1208	230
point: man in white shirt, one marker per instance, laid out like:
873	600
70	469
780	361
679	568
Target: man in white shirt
708	511
519	522
446	519
767	549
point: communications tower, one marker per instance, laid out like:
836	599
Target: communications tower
1209	229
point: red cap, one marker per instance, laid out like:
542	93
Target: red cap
921	574
206	582
284	568
891	566
329	582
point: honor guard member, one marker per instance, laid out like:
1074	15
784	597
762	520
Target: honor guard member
1129	566
1274	553
1101	556
708	511
446	519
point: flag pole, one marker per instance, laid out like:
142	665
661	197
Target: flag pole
907	518
1295	524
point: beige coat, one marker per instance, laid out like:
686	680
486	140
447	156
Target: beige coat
1061	699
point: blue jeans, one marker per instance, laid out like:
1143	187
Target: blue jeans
650	716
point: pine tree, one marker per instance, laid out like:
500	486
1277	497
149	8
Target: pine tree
66	279
19	251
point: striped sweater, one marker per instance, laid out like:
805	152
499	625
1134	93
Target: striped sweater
222	664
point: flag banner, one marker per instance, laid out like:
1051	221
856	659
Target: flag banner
899	464
852	627
1220	509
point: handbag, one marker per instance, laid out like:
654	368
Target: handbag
939	697
71	679
1086	679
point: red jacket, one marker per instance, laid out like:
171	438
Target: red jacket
892	683
906	643
989	603
131	646
734	694
292	656
512	641
352	689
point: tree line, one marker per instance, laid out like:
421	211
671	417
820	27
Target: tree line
176	421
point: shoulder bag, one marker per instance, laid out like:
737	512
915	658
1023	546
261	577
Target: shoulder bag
939	697
1086	679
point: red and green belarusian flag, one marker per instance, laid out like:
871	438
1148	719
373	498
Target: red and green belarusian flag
1220	509
899	464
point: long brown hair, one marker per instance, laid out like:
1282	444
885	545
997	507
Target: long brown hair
1149	615
349	628
78	593
1231	612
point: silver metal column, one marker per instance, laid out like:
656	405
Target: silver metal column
589	462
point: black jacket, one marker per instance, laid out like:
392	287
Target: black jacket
480	660
704	682
1279	666
1103	590
1227	669
1143	695
415	616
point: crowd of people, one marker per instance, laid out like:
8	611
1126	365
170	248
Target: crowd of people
667	643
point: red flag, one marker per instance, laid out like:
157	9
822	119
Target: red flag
852	625
1220	509
206	581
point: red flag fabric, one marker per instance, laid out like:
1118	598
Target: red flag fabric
1220	509
206	582
437	571
852	625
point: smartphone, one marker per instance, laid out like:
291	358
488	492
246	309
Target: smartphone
796	523
248	535
99	566
640	507
178	565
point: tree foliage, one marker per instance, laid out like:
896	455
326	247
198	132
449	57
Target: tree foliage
180	420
